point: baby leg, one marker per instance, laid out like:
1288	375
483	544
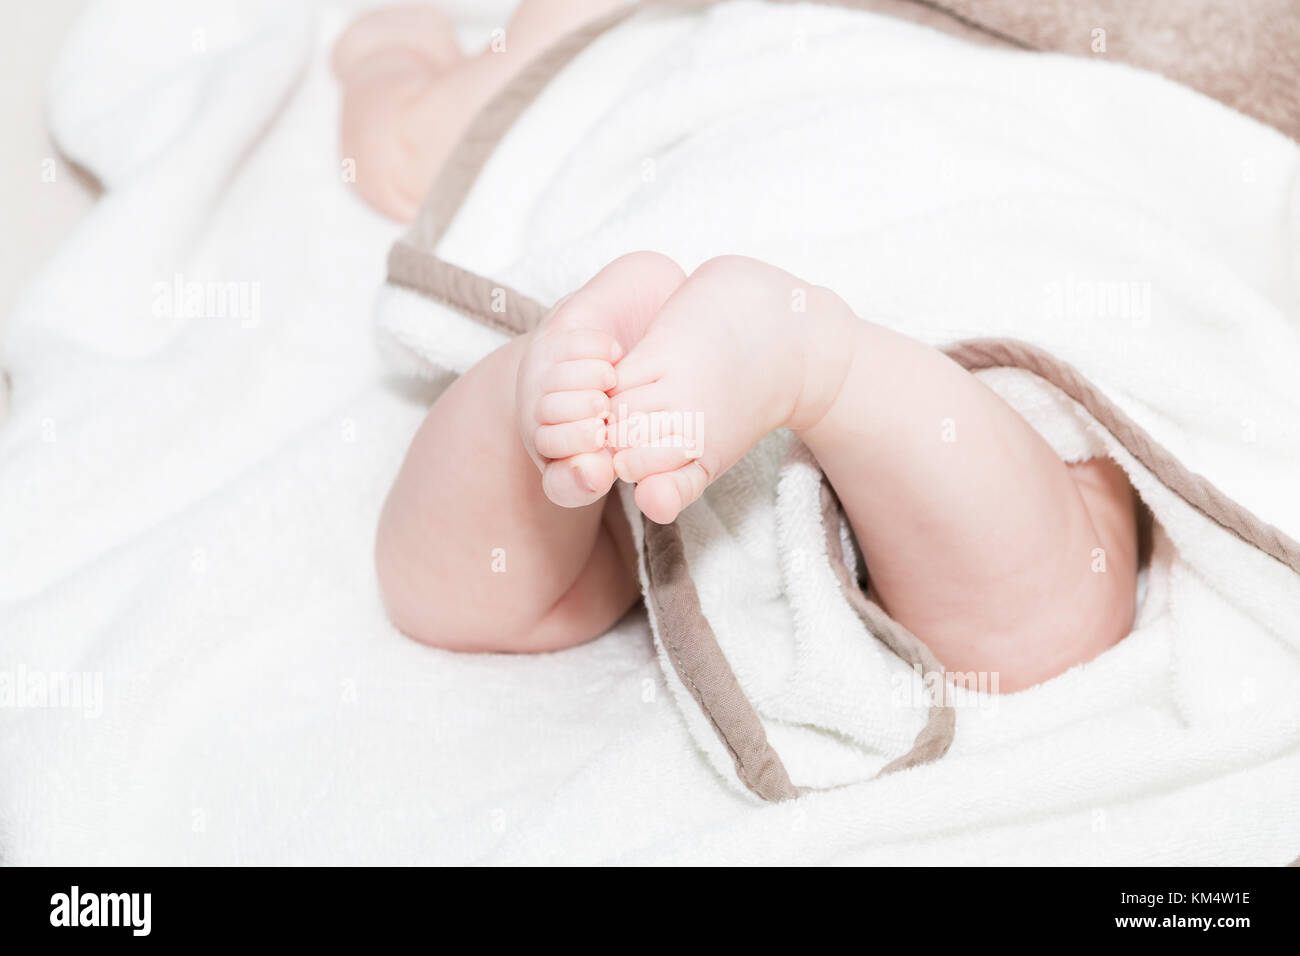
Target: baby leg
498	534
471	555
977	537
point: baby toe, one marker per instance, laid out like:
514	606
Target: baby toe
578	481
637	464
554	408
570	438
643	415
662	497
579	375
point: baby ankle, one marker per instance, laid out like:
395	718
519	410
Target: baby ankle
830	343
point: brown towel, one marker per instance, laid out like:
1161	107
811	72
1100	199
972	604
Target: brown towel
1246	55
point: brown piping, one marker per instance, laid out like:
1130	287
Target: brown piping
480	140
495	305
702	667
934	739
1195	489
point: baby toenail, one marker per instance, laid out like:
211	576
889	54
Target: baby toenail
583	482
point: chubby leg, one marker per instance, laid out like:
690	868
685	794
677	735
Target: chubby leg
498	534
977	537
471	555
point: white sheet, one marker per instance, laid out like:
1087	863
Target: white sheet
188	511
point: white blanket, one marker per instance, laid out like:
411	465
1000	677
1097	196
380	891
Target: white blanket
190	494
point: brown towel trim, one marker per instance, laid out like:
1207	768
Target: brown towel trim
1246	55
703	669
1196	490
487	129
491	303
934	739
687	637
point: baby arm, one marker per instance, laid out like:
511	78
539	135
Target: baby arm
409	93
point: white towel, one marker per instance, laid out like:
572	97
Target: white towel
1134	228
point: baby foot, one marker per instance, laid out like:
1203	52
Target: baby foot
561	403
740	350
563	408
